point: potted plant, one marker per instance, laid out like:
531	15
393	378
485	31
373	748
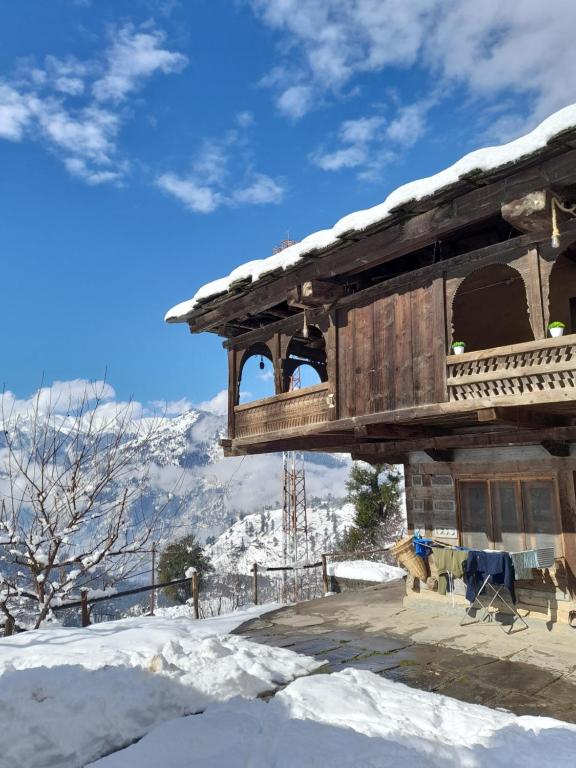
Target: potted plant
458	347
556	328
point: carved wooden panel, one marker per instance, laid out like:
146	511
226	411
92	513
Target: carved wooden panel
545	366
302	408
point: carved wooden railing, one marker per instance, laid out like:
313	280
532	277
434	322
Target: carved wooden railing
535	371
288	411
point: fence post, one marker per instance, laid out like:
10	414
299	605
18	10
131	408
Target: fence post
325	574
153	591
255	583
84	608
195	592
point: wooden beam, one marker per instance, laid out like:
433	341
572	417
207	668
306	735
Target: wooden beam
519	417
530	213
440	454
315	293
558	448
389	240
473	440
389	431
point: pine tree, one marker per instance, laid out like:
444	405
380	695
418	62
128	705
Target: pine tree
375	492
175	561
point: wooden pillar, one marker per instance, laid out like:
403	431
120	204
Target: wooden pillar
233	387
195	594
277	362
331	337
528	266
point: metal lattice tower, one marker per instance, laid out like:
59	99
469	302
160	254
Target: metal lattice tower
294	517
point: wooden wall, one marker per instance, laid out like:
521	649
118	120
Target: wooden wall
391	352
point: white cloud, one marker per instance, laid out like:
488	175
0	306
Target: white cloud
218	404
88	134
221	175
16	112
489	47
59	397
361	130
296	101
196	197
71	106
368	144
409	125
78	167
172	407
245	119
260	191
349	157
133	57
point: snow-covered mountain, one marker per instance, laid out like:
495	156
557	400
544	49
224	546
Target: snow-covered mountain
257	537
205	493
196	489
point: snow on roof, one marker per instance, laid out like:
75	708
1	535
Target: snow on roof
479	161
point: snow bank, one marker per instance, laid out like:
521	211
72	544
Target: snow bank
481	160
351	719
365	570
69	696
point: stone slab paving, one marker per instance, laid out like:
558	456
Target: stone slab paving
526	673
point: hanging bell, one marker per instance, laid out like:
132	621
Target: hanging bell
261	364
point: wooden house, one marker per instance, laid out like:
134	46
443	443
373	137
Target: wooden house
484	252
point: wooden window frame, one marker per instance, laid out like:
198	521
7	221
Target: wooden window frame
518	480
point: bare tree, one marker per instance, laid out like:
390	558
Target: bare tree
71	492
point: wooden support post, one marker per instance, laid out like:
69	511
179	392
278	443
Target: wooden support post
153	591
195	594
255	583
325	574
84	608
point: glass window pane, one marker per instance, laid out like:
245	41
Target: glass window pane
508	533
475	514
540	512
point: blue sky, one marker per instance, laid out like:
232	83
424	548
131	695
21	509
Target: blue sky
148	147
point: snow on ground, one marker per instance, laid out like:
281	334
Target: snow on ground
352	719
365	570
481	160
69	696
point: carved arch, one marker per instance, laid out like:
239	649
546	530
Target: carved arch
527	265
299	350
258	349
489	307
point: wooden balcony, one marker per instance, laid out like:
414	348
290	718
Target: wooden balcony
541	371
289	411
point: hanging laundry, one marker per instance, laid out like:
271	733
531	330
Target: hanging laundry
449	561
523	563
496	566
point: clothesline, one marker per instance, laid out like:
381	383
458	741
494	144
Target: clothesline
479	567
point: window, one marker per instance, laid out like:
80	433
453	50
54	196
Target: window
509	514
475	517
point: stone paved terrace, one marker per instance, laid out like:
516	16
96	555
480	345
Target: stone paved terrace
529	672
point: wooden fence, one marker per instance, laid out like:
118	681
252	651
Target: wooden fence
85	602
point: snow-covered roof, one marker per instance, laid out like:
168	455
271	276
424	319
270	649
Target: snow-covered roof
480	161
